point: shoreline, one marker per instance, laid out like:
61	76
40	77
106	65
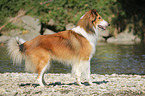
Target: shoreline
16	84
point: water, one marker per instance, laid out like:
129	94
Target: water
108	59
120	59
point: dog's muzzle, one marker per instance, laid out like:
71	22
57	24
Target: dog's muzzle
103	25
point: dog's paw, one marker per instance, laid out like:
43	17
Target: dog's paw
91	84
79	84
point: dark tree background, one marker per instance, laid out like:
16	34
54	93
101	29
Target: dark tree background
134	13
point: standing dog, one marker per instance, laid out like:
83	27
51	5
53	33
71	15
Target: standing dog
73	47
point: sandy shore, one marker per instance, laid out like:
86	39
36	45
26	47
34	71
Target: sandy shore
24	84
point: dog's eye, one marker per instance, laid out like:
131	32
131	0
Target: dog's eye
99	17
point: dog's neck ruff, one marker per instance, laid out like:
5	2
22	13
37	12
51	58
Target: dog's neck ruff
92	38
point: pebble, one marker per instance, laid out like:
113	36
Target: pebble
21	84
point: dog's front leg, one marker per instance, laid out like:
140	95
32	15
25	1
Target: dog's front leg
76	72
86	71
78	76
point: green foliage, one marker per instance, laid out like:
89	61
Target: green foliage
70	11
120	13
61	11
9	8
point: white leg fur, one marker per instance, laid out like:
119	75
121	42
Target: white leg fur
40	80
78	75
76	72
85	68
82	69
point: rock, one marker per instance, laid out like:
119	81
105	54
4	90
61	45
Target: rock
101	34
30	35
69	26
51	22
31	26
4	38
11	84
48	31
124	37
31	23
14	32
2	90
17	22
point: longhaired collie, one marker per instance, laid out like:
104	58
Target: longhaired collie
73	47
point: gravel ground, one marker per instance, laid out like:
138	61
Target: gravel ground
24	84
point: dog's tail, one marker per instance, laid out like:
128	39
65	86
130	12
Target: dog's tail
16	49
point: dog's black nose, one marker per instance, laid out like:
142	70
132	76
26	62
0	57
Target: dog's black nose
109	24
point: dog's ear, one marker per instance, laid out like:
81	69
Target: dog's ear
93	15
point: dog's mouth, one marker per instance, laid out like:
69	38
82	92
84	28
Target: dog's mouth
102	27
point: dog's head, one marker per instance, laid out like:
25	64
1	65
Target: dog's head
91	20
97	20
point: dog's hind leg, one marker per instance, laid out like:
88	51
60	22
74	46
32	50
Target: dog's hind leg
41	71
41	61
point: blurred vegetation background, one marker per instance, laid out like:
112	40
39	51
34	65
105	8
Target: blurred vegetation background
122	14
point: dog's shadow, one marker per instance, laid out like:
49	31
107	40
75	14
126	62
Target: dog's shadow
59	84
